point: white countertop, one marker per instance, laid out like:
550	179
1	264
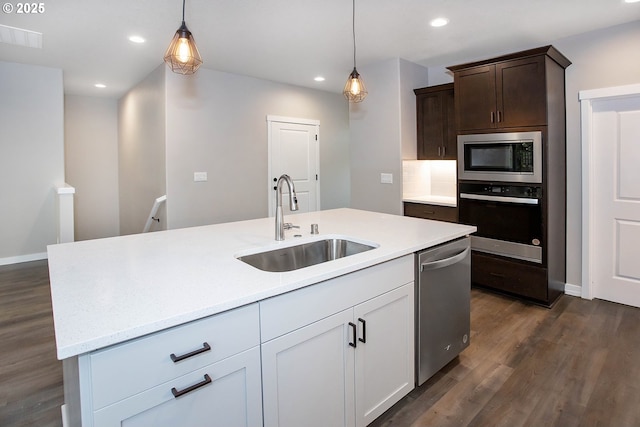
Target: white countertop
449	201
107	291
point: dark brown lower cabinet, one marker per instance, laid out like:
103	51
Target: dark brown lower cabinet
436	212
512	276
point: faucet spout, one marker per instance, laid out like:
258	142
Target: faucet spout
293	203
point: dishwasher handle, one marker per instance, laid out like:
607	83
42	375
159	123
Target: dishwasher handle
441	263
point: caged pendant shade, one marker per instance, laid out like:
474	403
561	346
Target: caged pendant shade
354	89
182	55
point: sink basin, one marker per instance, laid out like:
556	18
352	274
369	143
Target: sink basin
304	255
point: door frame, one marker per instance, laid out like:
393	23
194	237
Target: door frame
282	119
587	98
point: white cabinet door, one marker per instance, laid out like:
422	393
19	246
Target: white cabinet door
384	367
308	375
232	398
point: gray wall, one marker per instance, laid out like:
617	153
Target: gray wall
31	159
383	130
141	152
603	58
91	164
216	123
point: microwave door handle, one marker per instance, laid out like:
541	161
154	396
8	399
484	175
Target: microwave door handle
522	200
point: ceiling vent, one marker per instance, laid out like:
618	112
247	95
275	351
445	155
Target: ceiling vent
20	37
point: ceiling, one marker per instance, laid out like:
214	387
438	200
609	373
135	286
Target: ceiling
291	41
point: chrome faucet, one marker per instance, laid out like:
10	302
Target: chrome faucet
293	204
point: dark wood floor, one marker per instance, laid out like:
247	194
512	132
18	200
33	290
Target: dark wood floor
30	375
577	364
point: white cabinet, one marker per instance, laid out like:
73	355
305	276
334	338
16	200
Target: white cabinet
229	396
339	368
205	372
308	376
385	362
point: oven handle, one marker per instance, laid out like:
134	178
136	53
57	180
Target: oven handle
502	199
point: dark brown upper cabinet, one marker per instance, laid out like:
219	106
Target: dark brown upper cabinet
506	92
435	109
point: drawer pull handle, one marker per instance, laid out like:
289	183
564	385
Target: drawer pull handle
177	393
176	359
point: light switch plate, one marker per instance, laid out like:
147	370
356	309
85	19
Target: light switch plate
199	176
386	178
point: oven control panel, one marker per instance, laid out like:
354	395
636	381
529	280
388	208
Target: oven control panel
534	192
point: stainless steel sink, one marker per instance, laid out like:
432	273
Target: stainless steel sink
304	255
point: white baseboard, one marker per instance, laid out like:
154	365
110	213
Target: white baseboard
573	290
65	415
23	258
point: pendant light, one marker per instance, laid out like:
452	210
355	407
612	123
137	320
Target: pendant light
182	55
354	89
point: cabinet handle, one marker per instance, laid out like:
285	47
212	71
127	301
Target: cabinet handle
439	148
177	393
429	212
364	330
354	335
499	116
493	117
176	359
444	151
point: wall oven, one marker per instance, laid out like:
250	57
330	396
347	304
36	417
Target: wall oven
508	217
503	157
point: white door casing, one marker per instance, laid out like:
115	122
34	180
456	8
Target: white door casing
611	194
294	150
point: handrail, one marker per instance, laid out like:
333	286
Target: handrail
154	211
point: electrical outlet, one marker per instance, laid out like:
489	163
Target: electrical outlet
386	178
199	176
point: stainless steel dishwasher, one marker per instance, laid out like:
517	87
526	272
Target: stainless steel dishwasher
443	294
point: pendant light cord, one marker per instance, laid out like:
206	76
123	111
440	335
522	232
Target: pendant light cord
353	27
183	2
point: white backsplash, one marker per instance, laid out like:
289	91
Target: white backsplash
423	178
443	178
416	178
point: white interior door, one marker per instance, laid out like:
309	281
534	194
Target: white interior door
615	248
294	150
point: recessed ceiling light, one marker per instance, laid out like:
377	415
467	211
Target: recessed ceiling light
100	85
319	79
136	39
631	1
439	22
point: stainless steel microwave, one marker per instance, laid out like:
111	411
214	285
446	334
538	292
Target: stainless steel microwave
501	157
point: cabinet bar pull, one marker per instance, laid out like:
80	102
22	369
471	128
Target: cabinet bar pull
364	330
354	335
493	117
176	359
444	151
499	116
177	393
439	148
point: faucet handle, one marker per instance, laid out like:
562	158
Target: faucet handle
289	226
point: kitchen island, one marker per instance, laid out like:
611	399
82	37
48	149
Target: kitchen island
116	299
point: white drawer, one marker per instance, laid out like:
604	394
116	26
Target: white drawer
233	398
132	367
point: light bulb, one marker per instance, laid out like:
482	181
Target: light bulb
355	86
184	51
